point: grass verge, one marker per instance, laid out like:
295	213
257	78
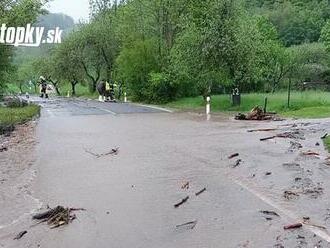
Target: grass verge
9	117
308	104
326	142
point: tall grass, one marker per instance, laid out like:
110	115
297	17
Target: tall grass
9	117
326	142
314	103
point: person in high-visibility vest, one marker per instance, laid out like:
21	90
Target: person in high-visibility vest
43	87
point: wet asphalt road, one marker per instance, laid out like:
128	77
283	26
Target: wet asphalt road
129	197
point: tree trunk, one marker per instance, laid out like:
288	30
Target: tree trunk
21	87
55	84
94	80
73	86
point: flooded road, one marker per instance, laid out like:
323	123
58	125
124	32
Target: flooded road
130	197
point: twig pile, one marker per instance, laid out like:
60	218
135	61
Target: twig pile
58	216
257	114
114	151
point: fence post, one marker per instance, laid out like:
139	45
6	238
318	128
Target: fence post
265	106
208	105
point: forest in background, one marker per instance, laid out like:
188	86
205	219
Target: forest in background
163	50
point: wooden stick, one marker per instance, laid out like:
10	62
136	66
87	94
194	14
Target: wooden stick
262	130
181	202
200	192
268	138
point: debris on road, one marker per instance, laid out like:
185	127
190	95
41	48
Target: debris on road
20	235
57	217
185	185
294	145
324	136
268	138
290	195
310	153
256	114
181	202
262	130
266	212
306	221
233	155
200	192
114	151
237	163
189	225
268	173
292	135
292	165
317	144
314	192
293	226
3	149
287	135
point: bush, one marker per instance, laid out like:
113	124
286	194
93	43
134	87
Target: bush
9	117
160	89
14	102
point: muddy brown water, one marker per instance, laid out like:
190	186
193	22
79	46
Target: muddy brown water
130	197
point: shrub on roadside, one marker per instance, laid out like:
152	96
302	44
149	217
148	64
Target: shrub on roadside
9	117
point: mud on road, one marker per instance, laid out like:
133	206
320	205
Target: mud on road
176	159
17	172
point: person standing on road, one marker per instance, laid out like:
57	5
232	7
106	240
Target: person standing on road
43	87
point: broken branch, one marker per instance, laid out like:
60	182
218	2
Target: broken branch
200	192
181	202
233	155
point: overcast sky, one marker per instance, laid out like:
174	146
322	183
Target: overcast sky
78	9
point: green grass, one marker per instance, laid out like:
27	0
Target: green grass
326	142
10	117
308	104
81	91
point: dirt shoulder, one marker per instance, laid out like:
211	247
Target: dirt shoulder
17	173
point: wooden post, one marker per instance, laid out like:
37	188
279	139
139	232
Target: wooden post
265	106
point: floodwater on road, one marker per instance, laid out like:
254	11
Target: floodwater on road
130	197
